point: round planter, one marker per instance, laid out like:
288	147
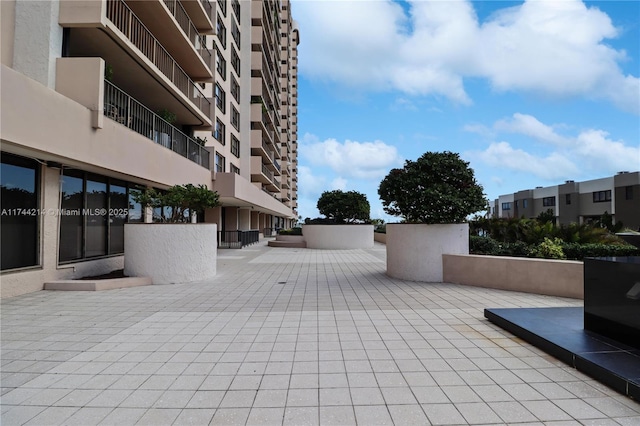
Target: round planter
414	251
290	238
170	252
338	237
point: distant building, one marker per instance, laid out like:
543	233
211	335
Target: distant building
578	202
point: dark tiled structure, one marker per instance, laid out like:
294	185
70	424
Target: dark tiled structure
560	332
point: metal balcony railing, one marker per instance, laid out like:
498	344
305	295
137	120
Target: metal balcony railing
237	239
178	12
129	24
208	7
268	173
124	109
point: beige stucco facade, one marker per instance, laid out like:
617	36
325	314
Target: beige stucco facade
86	99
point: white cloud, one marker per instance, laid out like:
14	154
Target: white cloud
532	127
551	48
503	155
595	149
359	160
339	183
589	150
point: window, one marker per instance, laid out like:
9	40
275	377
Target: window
221	64
506	206
221	31
235	89
567	199
235	61
235	33
20	182
235	169
220	98
549	201
218	132
525	204
516	203
235	118
223	6
219	163
602	196
235	146
628	193
94	210
235	5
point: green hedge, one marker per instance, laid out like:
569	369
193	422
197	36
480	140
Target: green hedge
292	231
574	251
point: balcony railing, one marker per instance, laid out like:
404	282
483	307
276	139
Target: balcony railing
129	24
208	7
237	239
268	173
178	12
121	107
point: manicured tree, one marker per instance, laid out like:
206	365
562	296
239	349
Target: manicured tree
439	187
340	206
181	198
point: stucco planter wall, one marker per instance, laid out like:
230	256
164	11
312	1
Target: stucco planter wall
338	237
563	278
380	237
170	253
414	251
290	238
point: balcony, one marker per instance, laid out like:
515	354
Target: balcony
121	107
169	22
138	34
141	65
201	13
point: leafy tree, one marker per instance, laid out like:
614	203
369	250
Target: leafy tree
341	207
182	199
439	187
547	216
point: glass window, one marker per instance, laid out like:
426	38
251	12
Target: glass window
235	118
549	201
506	206
218	132
19	180
235	146
601	196
118	213
94	211
136	215
71	229
628	193
235	89
220	97
221	64
221	31
220	160
96	219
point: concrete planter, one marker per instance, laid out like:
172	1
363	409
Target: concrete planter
414	251
338	237
170	252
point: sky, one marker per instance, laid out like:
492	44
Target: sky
529	93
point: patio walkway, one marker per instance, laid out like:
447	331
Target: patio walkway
293	336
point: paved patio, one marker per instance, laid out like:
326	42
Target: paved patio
291	336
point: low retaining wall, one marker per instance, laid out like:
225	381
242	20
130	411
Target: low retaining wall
338	237
563	278
380	237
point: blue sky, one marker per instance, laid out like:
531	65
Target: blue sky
530	93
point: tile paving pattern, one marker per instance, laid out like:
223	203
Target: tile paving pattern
288	336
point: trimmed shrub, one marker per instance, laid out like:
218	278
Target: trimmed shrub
291	231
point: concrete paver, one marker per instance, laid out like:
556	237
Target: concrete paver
287	336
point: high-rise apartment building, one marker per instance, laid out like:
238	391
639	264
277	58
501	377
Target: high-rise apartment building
102	98
578	202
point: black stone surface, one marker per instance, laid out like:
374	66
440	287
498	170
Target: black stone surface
612	298
560	332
